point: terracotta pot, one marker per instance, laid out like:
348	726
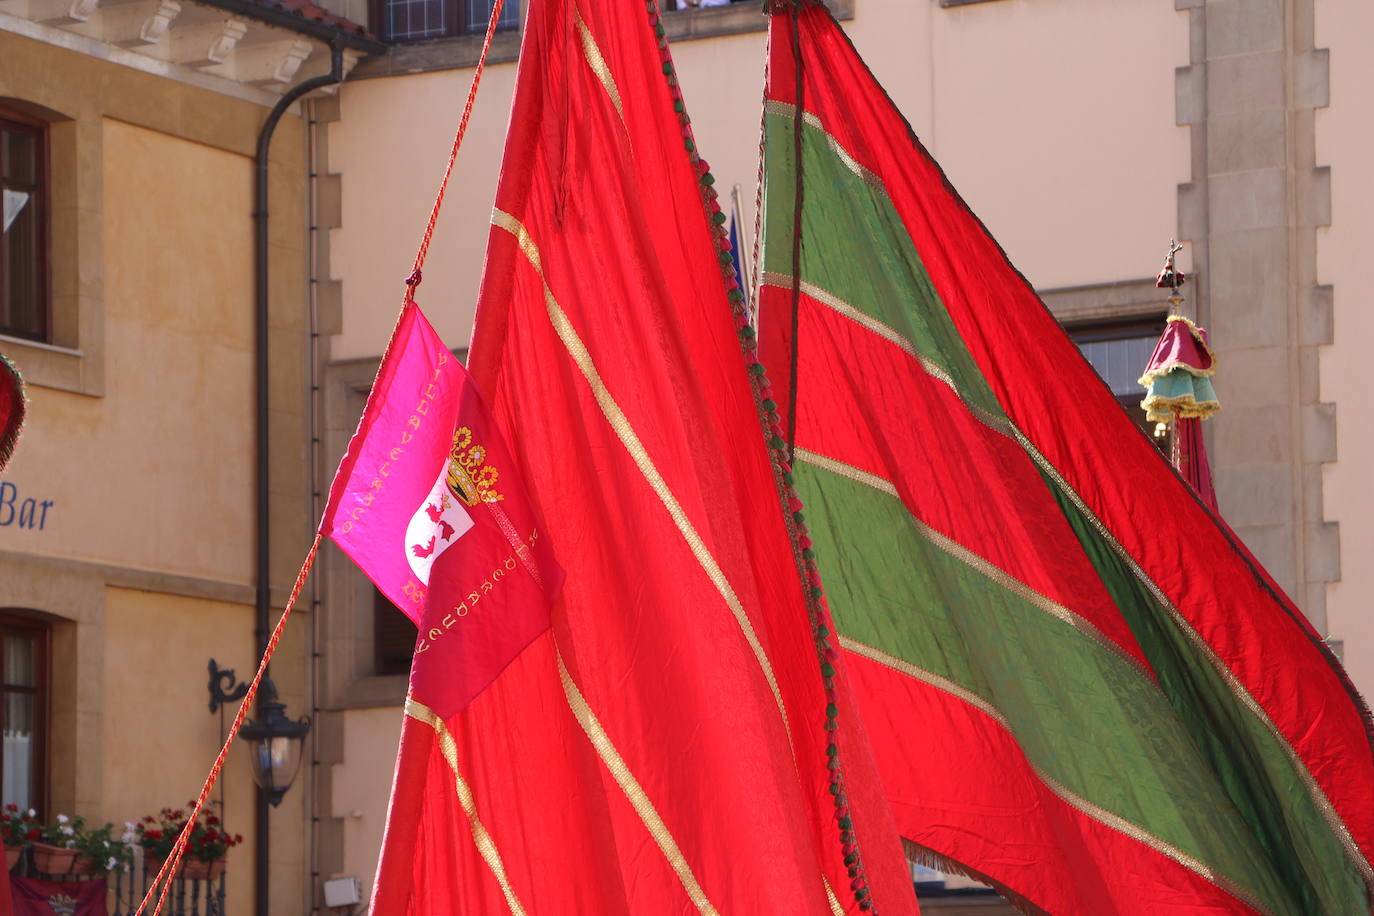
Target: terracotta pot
53	860
84	866
191	868
196	870
12	854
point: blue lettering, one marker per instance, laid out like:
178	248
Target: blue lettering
27	510
8	492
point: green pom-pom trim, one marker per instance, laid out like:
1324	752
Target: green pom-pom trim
831	750
777	443
708	179
719	216
798	517
827	669
822	631
845	823
831	710
667	68
690	146
660	32
850	859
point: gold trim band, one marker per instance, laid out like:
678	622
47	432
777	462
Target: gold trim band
486	846
634	792
597	63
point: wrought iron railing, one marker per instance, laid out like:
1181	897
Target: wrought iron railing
126	889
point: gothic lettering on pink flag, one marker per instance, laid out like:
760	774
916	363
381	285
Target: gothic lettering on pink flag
428	503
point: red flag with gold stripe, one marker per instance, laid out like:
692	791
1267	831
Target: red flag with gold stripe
682	739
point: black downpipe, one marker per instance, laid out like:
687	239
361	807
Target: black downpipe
260	376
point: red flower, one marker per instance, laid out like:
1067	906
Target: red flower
11	807
211	820
33	834
238	838
154	834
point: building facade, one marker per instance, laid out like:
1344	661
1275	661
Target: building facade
1085	135
127	517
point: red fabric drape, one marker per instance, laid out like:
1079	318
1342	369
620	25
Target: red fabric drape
636	759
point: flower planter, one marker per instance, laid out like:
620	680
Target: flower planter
53	860
191	868
85	866
197	870
12	854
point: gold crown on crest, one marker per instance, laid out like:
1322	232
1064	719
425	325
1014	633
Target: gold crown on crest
62	904
469	477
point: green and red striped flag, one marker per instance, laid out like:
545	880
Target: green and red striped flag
1077	682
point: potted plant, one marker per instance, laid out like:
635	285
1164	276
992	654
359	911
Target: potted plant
99	852
54	850
206	850
15	829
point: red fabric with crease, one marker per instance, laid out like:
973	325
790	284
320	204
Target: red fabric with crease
618	228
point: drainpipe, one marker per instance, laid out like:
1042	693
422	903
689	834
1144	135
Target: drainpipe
260	376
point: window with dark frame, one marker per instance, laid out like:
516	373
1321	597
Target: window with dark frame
1119	351
23	226
393	637
419	20
24	663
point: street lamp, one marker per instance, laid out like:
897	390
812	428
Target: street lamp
274	740
274	743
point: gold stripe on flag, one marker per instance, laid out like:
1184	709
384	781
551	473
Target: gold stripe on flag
634	792
625	432
486	846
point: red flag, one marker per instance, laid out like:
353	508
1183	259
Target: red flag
664	750
429	505
1122	713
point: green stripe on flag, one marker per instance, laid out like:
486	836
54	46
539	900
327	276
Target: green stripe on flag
1307	857
858	260
1083	715
855	246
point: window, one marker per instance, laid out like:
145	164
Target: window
1119	352
23	711
417	20
393	637
23	226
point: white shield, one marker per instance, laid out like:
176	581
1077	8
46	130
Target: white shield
435	527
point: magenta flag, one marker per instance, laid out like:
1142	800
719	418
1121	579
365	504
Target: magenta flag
429	504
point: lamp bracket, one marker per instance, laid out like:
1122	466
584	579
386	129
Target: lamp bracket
225	687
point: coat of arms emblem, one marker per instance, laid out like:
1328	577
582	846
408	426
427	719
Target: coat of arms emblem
465	480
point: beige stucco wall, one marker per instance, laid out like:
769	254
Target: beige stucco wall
1345	142
390	145
140	433
362	786
153	641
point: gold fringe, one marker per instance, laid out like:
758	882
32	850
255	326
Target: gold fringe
1146	380
1159	409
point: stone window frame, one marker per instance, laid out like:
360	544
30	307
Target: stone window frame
16	621
72	357
39	191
